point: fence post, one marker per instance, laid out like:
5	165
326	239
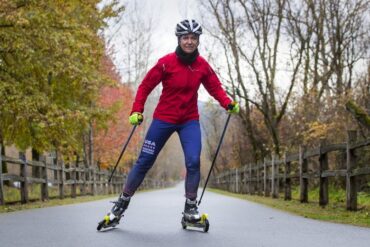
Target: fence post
351	189
303	181
74	181
245	180
287	180
54	163
61	179
236	181
106	184
251	191
265	188
273	177
2	202
258	187
324	182
277	177
44	175
24	183
105	181
226	179
101	181
113	184
87	179
82	179
110	185
36	171
93	184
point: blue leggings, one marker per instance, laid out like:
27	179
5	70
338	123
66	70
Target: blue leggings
157	136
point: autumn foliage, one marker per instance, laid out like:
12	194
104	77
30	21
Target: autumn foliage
50	53
110	138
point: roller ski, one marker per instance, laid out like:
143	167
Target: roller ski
113	218
191	217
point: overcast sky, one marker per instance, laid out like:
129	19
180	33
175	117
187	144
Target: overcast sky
165	14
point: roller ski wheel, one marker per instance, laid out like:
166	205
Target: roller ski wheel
109	221
183	223
206	226
203	223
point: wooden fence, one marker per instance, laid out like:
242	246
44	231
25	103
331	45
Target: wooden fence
55	173
271	176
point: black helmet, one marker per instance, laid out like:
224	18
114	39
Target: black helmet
188	26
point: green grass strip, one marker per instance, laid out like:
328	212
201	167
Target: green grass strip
51	203
58	202
333	212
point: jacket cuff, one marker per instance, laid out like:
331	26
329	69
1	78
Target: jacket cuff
136	108
227	102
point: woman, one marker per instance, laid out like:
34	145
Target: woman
181	74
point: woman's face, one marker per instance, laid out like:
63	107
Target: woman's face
189	42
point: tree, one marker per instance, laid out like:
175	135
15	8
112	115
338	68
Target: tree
336	41
49	71
110	136
233	151
336	35
259	23
133	34
294	62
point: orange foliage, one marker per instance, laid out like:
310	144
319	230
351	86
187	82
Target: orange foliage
108	142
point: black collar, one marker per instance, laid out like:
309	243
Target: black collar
186	58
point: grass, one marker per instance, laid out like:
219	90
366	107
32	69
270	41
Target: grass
51	203
13	194
335	211
12	198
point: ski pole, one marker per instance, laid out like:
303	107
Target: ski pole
123	150
214	158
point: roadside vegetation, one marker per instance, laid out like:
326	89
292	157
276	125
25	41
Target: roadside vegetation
335	211
13	199
53	202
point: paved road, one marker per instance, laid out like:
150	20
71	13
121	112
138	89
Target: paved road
153	219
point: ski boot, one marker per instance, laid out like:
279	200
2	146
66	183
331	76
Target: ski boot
114	216
191	217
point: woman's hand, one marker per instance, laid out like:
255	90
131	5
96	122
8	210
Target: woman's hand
233	107
136	118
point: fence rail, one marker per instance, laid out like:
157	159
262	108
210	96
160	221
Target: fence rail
90	180
272	176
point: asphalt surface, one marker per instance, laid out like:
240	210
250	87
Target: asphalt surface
153	219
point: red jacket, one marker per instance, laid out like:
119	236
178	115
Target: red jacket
178	101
